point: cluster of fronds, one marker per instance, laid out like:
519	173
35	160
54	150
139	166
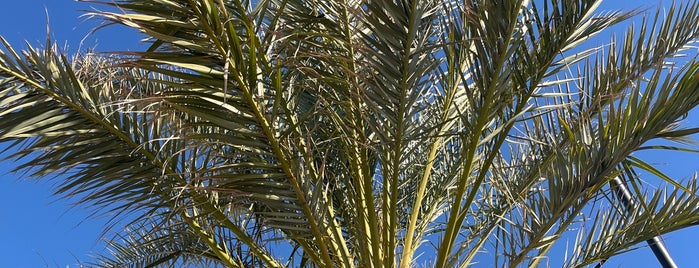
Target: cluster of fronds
363	133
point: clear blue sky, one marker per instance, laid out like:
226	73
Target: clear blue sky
39	230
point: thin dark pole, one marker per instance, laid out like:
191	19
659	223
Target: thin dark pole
656	244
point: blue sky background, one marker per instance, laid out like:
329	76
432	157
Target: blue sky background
39	230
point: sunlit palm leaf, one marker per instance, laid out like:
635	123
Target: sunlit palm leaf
362	133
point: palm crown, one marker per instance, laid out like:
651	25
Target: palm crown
363	133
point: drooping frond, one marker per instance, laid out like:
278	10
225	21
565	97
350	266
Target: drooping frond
363	133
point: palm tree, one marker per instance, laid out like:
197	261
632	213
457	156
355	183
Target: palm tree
367	133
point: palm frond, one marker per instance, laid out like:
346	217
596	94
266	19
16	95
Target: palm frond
362	133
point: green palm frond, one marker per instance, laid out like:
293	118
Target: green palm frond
363	133
623	228
157	243
616	128
61	121
85	118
